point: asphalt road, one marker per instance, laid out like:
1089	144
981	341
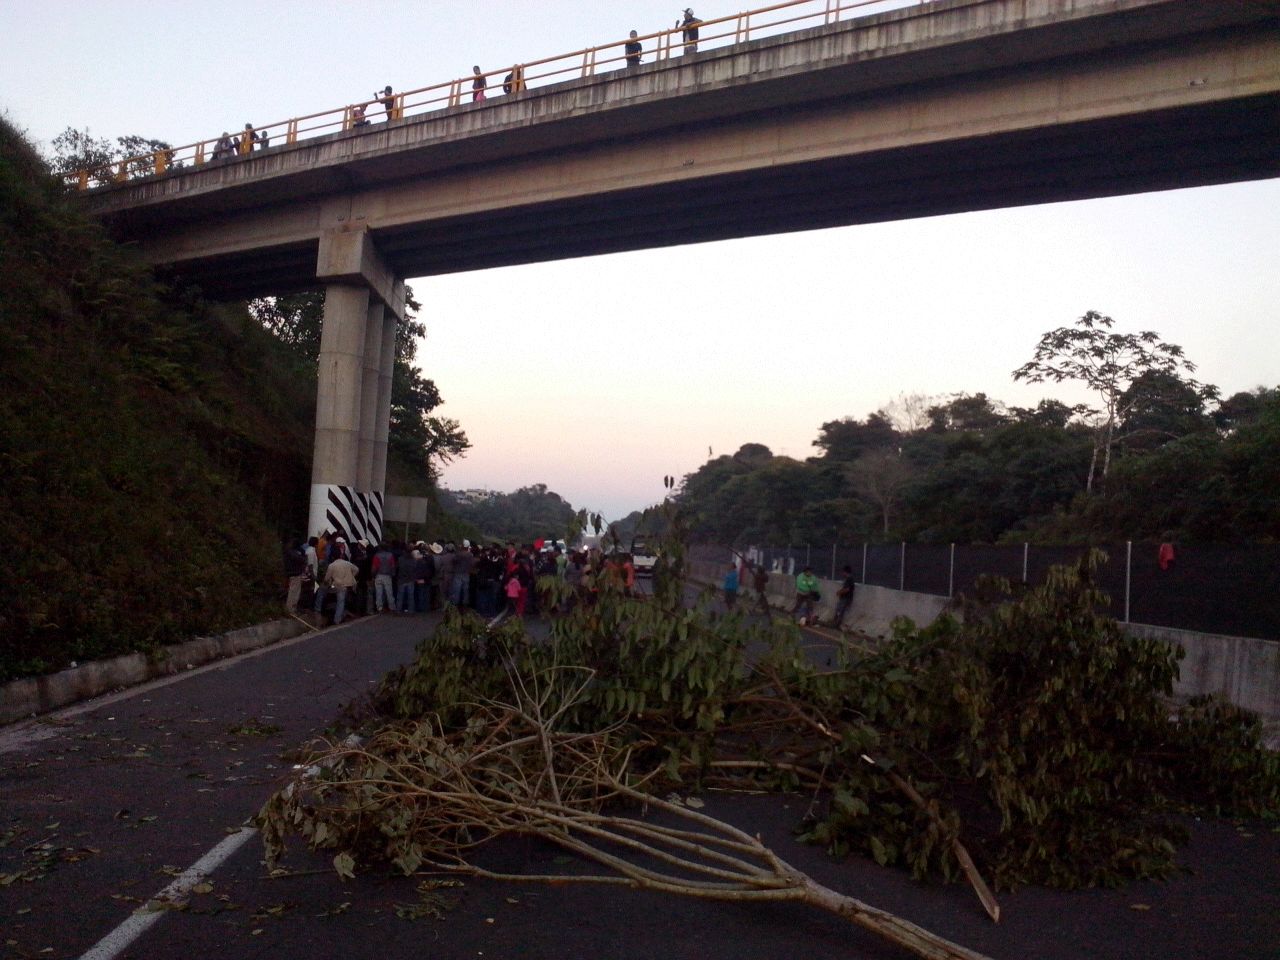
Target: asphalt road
107	804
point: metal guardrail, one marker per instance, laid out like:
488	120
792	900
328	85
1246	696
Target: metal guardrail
658	46
1229	589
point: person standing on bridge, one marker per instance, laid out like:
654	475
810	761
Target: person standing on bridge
388	101
633	50
224	149
690	24
247	140
513	82
478	86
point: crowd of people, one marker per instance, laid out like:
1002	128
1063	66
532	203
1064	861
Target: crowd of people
412	578
228	146
807	592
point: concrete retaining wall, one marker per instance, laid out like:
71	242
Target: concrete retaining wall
20	699
1242	670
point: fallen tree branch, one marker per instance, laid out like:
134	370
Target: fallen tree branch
511	772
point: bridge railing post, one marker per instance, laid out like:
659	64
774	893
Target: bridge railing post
291	132
455	93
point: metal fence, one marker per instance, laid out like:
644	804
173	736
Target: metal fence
1229	589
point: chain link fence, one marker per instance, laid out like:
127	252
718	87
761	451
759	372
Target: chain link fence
1233	590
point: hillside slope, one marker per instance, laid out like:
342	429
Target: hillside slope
153	448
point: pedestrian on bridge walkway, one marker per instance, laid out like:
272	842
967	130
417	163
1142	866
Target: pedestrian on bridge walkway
633	50
690	24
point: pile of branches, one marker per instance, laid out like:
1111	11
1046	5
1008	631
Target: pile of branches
423	798
1029	740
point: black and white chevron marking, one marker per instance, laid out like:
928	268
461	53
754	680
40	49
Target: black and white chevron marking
345	512
373	516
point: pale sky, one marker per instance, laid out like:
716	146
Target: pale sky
601	375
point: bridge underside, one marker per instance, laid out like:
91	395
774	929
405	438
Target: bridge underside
954	106
1187	147
1183	149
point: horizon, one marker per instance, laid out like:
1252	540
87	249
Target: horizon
600	376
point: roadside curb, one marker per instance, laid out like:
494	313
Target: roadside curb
31	696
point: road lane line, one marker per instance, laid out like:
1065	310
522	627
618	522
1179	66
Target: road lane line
142	919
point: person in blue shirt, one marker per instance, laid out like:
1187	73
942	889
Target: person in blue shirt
731	586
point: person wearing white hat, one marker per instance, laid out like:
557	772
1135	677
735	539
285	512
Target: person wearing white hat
690	24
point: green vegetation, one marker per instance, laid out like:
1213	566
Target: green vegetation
156	448
152	444
529	514
1034	736
1160	465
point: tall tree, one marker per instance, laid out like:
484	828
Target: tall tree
75	150
1107	363
847	439
880	478
419	438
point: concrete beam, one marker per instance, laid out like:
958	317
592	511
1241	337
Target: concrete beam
952	106
347	256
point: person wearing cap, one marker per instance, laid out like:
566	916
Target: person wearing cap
339	577
388	101
690	24
338	548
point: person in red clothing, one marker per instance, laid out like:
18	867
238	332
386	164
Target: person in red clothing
515	595
384	572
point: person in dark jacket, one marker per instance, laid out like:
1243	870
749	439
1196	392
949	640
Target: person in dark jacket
633	50
690	24
295	569
844	596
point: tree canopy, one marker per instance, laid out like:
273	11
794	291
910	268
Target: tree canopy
968	468
417	437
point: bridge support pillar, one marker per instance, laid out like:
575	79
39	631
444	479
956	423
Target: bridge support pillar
363	302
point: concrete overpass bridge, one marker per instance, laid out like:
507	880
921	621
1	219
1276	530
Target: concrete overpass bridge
943	107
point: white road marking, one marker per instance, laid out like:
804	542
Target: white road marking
142	919
23	734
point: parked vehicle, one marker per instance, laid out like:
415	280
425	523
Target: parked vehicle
643	556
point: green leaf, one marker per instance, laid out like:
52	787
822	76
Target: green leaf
345	864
